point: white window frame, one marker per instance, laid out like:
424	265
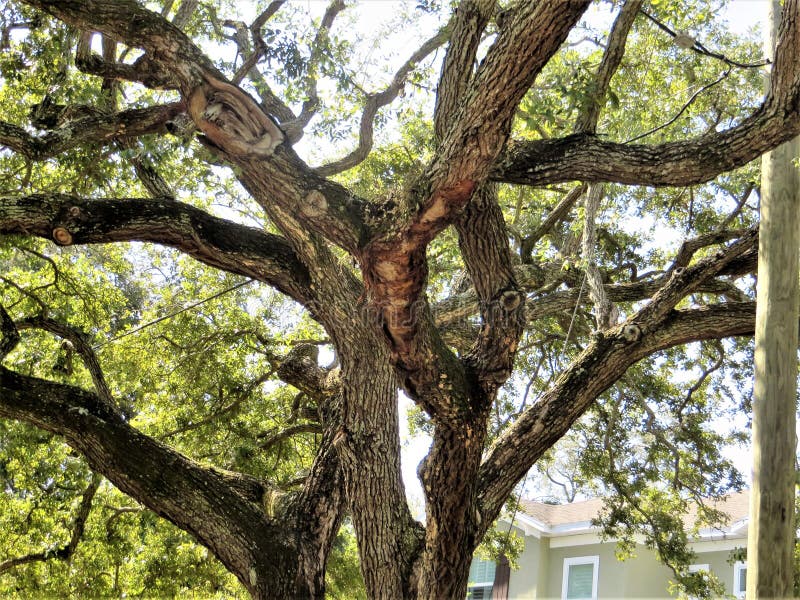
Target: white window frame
738	567
580	560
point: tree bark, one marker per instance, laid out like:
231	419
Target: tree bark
771	533
367	443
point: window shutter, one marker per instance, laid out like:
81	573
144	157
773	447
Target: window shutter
579	582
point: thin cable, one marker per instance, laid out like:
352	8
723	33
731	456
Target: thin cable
563	350
174	314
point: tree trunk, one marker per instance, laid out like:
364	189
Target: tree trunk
369	451
771	533
450	480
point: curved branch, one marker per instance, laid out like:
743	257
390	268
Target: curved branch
223	244
232	122
688	162
81	345
376	101
294	129
199	500
270	439
129	22
272	104
96	128
595	370
683	108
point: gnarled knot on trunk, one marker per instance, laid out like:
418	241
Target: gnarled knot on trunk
510	300
631	332
232	120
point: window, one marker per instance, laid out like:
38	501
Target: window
481	579
580	578
739	579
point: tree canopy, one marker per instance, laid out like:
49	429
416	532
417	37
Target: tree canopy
232	235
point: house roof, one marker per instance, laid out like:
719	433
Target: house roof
570	518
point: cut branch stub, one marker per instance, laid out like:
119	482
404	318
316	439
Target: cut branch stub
62	236
232	120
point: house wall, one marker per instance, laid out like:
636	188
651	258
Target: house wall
541	569
527	580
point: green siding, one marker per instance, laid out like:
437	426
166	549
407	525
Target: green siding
541	571
533	565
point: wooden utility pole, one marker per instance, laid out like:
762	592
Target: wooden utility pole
770	543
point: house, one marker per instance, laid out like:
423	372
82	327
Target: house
565	558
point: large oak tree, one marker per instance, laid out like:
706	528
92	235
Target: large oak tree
130	82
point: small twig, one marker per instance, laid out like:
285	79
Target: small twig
272	439
739	206
240	397
173	314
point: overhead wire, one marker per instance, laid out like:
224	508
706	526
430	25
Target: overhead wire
174	314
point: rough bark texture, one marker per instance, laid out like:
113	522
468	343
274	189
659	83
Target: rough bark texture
386	333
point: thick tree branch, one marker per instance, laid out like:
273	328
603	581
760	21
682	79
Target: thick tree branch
233	124
394	263
194	498
128	21
688	162
96	128
214	241
483	241
595	370
468	24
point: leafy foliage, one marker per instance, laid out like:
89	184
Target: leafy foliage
203	378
